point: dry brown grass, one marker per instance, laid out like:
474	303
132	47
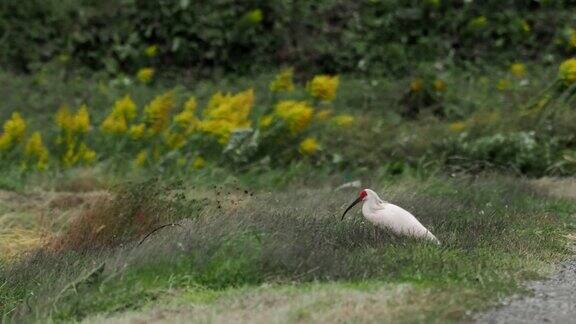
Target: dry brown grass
31	220
118	217
315	303
559	187
16	241
328	303
80	181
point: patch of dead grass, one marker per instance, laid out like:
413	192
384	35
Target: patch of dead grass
559	187
328	303
14	242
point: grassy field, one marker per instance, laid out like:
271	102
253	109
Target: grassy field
259	236
259	252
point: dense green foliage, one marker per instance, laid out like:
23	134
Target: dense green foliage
230	35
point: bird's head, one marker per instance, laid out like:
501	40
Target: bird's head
361	197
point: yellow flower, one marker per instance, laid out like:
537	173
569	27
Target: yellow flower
64	119
324	114
82	120
157	113
567	71
137	131
525	26
266	121
227	112
175	140
234	108
503	84
457	127
123	111
34	145
151	51
198	163
572	39
324	87
114	124
86	154
141	158
69	158
36	151
14	131
296	114
478	22
221	129
416	85
518	70
191	104
42	165
344	120
125	107
254	16
145	75
439	85
283	81
309	146
186	119
73	123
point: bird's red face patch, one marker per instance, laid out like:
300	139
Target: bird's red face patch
363	194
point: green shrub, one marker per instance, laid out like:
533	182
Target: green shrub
233	35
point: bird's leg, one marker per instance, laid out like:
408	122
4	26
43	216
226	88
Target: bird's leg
374	235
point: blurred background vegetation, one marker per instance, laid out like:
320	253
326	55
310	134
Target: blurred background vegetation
413	86
330	36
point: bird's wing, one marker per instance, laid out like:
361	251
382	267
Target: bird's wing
403	222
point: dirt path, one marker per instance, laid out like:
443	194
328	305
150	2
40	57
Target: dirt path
552	301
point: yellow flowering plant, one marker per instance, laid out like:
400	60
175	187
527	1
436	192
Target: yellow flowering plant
297	115
157	113
283	81
227	112
343	121
308	146
151	51
145	75
198	163
117	121
567	71
13	132
35	153
518	70
186	120
324	114
324	87
71	141
227	128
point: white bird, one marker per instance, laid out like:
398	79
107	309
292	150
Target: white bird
386	215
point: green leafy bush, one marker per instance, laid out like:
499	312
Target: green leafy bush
233	35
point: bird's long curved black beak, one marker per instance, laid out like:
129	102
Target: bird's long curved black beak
350	207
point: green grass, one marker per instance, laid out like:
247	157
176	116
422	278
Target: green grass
496	232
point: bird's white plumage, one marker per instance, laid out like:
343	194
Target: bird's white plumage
395	218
